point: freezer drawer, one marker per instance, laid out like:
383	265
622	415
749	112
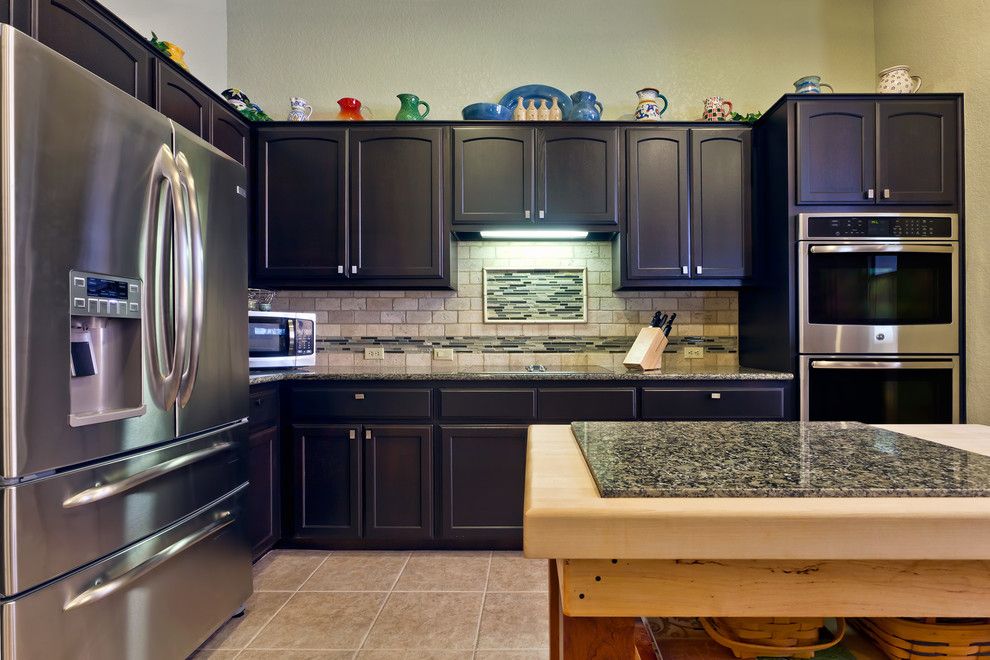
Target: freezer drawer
157	599
55	524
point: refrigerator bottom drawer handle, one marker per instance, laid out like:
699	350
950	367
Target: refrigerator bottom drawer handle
100	591
104	491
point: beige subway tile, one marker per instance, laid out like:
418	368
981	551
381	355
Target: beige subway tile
613	329
406	330
469	359
392	294
354	303
730	316
379	304
444	317
353	330
379	330
707	317
340	317
432	304
340	359
456	304
507	329
716	303
496	359
716	330
367	317
690	304
456	329
418	359
327	303
625	317
431	330
419	317
328	330
469	317
393	317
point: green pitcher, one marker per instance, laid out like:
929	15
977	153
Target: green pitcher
409	110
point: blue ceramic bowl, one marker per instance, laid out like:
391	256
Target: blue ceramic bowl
487	112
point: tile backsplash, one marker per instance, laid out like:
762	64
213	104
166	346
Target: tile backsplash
435	315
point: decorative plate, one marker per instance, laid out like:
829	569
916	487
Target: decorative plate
538	92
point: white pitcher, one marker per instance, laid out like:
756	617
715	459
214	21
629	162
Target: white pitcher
299	109
898	80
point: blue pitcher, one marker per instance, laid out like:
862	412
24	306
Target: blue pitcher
586	107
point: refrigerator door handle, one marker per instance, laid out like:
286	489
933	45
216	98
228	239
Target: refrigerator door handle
197	280
163	359
104	491
101	590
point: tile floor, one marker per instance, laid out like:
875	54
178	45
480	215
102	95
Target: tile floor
316	605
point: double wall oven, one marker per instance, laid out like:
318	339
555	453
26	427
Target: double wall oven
879	317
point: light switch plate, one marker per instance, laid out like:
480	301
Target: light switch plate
694	352
374	353
443	354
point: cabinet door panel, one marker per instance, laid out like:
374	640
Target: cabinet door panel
398	464
263	502
484	479
836	151
183	102
657	224
300	230
578	176
327	481
918	157
396	203
493	176
720	202
91	39
229	133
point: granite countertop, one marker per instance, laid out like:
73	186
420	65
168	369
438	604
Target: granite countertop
774	459
514	373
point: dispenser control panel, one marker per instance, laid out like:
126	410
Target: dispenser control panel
92	294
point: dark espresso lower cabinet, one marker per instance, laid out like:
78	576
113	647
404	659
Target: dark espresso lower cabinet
483	483
327	481
398	489
264	504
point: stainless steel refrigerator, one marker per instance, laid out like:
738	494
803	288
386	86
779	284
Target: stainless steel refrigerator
123	370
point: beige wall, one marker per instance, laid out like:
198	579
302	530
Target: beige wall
945	42
456	52
197	26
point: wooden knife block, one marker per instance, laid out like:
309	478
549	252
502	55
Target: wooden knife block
646	353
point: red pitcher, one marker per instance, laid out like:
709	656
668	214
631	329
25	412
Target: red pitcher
350	109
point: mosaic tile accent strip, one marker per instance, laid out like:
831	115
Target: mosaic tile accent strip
491	344
535	295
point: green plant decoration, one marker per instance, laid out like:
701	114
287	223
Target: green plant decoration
159	44
747	119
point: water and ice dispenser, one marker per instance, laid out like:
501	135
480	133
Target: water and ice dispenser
105	368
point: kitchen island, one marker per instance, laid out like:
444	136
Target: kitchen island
754	519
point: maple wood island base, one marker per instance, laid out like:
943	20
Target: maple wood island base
614	560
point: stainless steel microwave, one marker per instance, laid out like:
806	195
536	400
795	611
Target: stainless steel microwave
878	283
281	339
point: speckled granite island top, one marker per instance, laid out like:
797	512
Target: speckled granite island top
515	373
774	459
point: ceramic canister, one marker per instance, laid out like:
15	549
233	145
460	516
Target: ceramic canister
898	80
717	109
299	109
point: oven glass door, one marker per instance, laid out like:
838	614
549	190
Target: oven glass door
269	337
923	391
884	297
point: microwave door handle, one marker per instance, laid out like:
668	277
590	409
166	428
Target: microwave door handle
870	364
826	249
162	358
290	348
196	281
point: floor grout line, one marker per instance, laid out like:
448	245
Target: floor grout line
384	602
484	599
282	606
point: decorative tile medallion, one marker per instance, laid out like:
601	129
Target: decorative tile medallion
513	295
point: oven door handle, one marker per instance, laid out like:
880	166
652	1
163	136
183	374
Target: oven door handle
825	249
857	364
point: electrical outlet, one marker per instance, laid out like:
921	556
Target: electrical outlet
694	352
374	352
443	354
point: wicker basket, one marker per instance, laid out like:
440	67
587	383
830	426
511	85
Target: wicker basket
929	639
751	637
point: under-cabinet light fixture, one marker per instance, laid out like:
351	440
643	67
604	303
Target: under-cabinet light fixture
534	234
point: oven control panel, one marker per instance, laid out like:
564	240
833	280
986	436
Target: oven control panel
866	226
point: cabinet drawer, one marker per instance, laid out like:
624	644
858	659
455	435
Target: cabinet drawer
713	403
355	403
488	404
587	404
264	406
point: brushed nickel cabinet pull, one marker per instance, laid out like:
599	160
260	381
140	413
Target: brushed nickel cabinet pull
354	270
541	214
367	434
716	395
871	193
886	193
352	434
359	396
527	214
684	270
340	270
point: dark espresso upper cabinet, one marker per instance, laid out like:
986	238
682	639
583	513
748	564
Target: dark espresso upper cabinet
721	209
396	204
578	176
918	155
229	133
836	145
93	39
657	223
878	151
493	176
301	216
183	102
